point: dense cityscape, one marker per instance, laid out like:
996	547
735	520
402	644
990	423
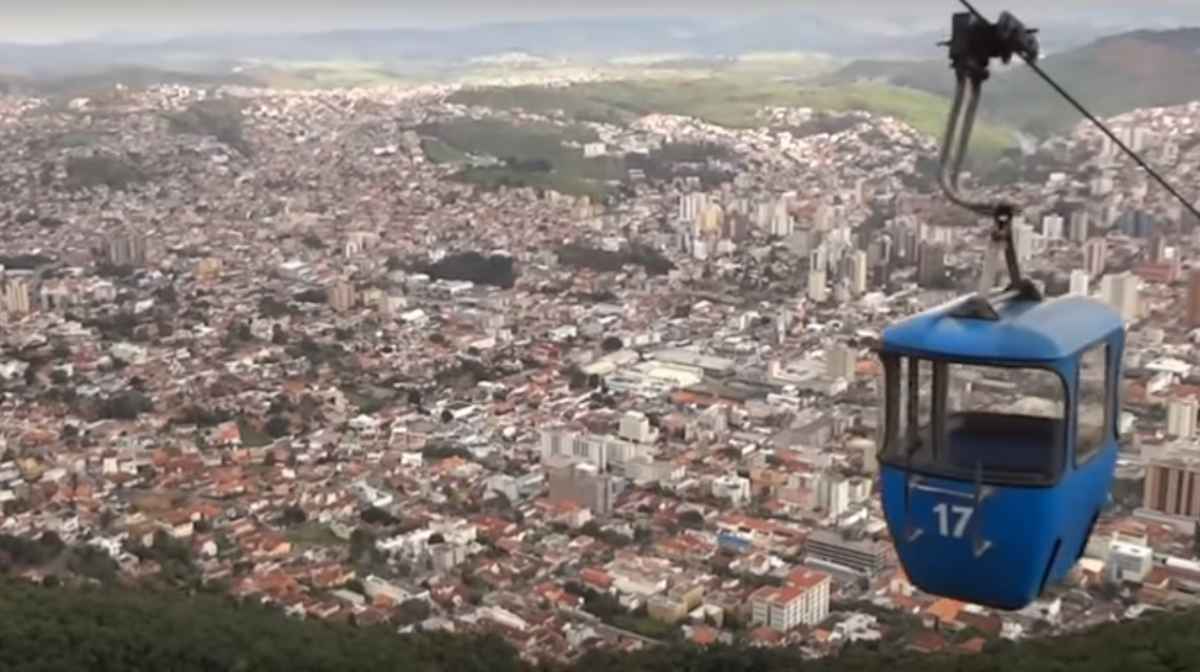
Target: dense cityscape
269	344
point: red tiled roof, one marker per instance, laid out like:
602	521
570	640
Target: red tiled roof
703	635
807	578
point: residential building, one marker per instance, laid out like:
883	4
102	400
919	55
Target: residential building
859	269
732	487
635	427
125	248
833	494
1079	282
931	264
818	292
342	297
1080	220
1181	418
1193	299
1052	227
1095	254
1122	292
1023	241
803	600
841	362
17	293
580	483
1171	486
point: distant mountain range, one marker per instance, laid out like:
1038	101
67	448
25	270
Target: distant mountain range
573	38
1110	76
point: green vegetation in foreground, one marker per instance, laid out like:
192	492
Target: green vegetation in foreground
732	102
119	629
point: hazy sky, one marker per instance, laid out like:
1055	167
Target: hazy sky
53	20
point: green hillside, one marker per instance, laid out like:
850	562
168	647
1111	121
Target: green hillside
119	629
533	155
728	101
549	156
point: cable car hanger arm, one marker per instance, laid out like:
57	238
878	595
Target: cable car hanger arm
974	42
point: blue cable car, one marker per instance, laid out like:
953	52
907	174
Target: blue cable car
999	443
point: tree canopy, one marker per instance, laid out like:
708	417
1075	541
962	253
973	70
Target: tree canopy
107	628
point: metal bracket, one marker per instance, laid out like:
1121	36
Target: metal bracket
980	305
911	533
979	545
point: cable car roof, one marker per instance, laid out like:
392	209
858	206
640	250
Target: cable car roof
1027	331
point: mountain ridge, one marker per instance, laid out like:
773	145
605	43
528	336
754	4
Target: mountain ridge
606	37
1111	75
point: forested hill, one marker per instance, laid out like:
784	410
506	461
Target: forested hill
119	629
1111	76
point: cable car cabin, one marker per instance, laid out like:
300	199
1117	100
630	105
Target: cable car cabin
1000	443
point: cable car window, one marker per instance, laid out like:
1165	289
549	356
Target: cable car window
1093	404
906	426
1008	422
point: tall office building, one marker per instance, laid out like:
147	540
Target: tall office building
782	224
1052	227
818	259
690	206
833	494
342	297
581	446
1023	241
710	221
764	214
17	293
931	264
1079	283
1122	292
580	483
1156	249
1080	220
841	362
1095	254
818	292
1136	224
126	248
879	251
1181	418
635	426
858	273
1193	298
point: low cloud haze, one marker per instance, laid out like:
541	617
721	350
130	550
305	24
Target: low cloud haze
57	20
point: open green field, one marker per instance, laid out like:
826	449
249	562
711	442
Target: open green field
731	101
536	155
312	533
323	74
518	145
